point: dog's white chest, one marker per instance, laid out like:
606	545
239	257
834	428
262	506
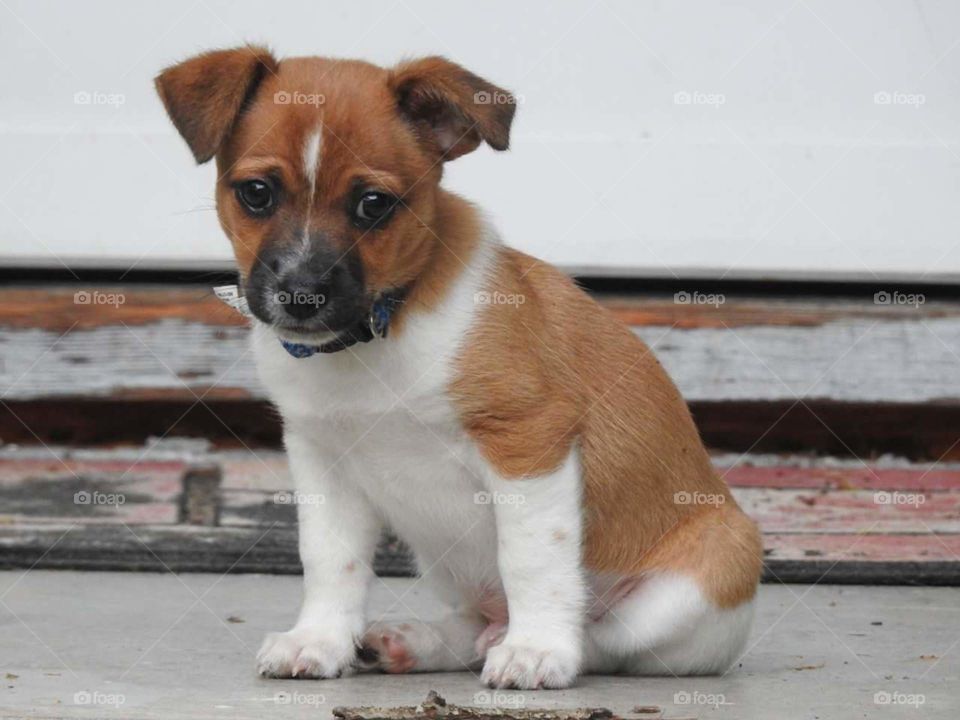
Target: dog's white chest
423	479
381	419
404	448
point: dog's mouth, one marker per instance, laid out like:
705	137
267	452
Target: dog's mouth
304	335
315	331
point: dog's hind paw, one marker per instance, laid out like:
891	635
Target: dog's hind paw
387	647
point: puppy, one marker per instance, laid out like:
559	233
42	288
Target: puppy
524	443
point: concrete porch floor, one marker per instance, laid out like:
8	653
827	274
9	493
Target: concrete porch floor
131	645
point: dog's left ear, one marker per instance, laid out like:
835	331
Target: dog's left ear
452	109
205	94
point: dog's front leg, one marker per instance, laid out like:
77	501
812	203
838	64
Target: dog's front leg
539	559
338	534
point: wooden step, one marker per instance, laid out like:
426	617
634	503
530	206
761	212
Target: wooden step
835	521
184	341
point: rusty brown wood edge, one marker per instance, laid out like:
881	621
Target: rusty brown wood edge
60	308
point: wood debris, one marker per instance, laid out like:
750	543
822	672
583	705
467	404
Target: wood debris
434	707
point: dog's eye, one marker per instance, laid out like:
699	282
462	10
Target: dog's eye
256	196
374	208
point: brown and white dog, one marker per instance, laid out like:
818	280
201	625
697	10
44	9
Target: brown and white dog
524	443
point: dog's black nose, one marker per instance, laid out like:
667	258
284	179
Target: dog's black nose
301	297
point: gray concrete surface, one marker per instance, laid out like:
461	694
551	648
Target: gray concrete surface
102	645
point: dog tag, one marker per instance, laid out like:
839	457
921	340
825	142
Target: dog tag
230	295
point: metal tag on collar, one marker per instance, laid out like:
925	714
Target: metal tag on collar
230	295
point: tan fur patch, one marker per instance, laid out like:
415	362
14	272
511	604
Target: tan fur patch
547	367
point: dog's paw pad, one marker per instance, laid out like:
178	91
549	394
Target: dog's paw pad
386	647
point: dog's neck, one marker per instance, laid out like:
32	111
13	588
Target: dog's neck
457	230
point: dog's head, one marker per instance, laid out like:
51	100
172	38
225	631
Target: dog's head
328	171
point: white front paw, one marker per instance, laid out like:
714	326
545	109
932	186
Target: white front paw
524	666
306	653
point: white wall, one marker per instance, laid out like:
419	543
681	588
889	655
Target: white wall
798	172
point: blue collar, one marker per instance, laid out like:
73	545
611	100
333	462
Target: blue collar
374	325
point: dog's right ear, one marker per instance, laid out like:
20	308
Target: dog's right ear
205	94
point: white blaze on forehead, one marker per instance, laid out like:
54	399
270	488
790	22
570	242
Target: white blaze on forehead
311	165
311	155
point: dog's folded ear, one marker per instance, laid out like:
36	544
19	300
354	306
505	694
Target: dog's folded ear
205	94
451	108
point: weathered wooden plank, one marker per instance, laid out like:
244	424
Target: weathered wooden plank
89	492
851	511
866	547
38	483
855	476
851	361
274	550
252	508
163	548
734	312
776	510
171	342
128	361
909	361
867	559
831	517
85	306
59	308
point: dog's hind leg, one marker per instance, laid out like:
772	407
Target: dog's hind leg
666	626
